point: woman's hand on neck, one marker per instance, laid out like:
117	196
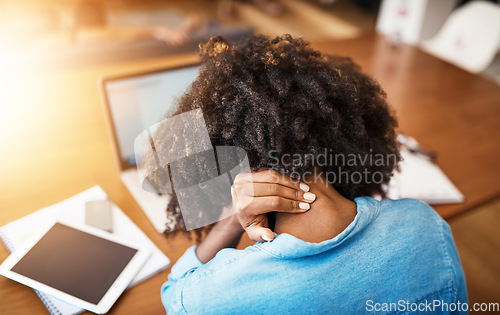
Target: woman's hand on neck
329	215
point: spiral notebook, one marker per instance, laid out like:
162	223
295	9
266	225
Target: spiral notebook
19	232
419	178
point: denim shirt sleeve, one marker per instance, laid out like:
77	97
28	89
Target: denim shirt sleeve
457	274
403	243
186	264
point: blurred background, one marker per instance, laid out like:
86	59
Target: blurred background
83	32
52	51
53	33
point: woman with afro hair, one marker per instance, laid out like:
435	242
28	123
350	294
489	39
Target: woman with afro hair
320	140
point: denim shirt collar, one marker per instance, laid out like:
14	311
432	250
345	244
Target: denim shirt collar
287	246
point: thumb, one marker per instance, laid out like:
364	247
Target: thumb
260	234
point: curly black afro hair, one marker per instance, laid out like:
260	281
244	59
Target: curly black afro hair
278	94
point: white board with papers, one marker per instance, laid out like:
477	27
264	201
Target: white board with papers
82	265
420	178
22	231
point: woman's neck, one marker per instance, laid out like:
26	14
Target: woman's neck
329	215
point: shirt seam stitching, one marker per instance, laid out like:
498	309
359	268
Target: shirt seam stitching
182	301
225	263
446	255
268	252
378	210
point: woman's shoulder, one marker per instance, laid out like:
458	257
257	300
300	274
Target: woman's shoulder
408	209
413	225
410	224
406	203
409	217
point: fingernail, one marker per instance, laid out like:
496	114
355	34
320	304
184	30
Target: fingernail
309	196
304	206
304	187
266	238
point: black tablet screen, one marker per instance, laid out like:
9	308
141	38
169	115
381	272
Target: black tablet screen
75	262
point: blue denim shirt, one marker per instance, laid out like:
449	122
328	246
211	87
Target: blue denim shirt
396	256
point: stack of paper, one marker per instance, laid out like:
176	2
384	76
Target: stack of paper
420	178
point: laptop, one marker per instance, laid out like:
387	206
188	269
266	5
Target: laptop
133	102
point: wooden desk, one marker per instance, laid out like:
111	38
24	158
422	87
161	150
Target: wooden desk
448	110
55	143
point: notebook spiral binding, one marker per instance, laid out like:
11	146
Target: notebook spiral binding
6	242
50	307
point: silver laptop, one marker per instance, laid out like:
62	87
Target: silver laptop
134	102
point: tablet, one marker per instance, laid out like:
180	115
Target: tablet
78	264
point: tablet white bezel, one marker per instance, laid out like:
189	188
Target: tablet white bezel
114	291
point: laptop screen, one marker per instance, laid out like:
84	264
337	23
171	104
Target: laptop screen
136	102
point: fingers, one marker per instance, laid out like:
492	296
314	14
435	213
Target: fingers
267	204
256	194
261	234
270	183
257	229
271	189
271	176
